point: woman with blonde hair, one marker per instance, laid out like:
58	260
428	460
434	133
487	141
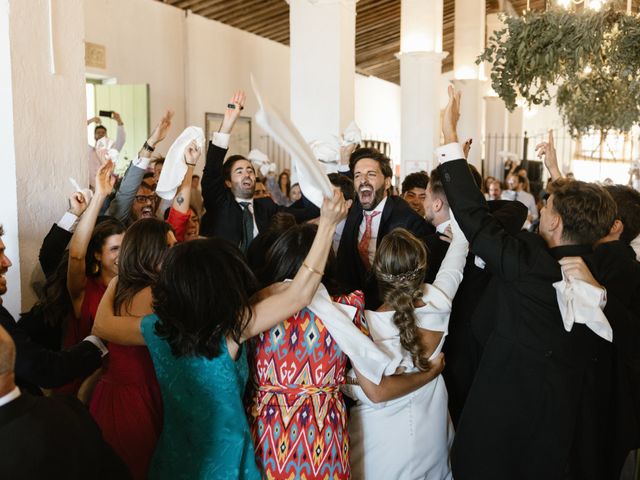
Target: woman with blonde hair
410	436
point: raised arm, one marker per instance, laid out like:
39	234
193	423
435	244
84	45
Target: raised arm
280	306
449	275
120	207
121	136
505	254
547	151
76	277
179	213
117	329
213	188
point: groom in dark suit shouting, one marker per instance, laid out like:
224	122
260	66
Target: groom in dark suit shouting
538	407
371	217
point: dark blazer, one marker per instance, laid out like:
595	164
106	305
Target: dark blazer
537	407
53	247
614	265
461	348
224	216
352	273
54	438
37	366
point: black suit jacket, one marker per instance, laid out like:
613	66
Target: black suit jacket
461	348
351	271
537	407
53	247
37	366
54	438
614	265
224	216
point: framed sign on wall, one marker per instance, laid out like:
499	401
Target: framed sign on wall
240	141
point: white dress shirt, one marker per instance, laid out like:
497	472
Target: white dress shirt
9	397
441	227
94	161
375	226
255	225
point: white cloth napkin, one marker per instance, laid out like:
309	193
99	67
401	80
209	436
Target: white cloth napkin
352	134
261	162
365	355
313	181
174	168
580	302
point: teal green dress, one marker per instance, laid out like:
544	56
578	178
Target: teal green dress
205	433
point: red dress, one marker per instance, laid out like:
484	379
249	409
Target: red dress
79	329
127	405
299	422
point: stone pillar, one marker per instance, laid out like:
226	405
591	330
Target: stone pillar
322	36
469	40
420	73
43	135
496	128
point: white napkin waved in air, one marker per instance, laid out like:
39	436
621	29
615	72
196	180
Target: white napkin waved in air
352	134
261	162
174	168
313	181
580	302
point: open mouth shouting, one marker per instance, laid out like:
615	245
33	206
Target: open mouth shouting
366	194
146	212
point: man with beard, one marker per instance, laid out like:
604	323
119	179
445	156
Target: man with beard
373	215
228	190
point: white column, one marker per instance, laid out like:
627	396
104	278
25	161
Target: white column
322	36
43	136
496	128
420	73
469	39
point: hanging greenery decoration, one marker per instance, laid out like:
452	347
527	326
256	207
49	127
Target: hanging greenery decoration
588	60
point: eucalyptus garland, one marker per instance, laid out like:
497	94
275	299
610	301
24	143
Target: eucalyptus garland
592	57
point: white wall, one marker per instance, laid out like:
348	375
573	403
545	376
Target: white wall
144	42
48	118
9	203
377	114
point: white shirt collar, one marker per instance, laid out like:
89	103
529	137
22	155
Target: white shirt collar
441	227
379	207
9	397
245	200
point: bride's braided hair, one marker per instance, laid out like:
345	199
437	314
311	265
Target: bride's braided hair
399	265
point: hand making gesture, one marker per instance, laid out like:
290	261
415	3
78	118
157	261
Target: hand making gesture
547	151
232	113
451	116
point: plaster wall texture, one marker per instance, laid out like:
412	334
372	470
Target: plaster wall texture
9	203
48	119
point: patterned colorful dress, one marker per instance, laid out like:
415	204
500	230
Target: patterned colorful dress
299	423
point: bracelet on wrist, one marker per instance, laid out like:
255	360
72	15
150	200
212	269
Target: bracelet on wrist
190	164
312	270
147	147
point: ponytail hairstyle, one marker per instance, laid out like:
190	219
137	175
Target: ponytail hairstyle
400	265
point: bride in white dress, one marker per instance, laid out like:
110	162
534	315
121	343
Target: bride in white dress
408	437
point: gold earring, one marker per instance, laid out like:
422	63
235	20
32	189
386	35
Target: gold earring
96	268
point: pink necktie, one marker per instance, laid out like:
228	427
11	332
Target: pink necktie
363	246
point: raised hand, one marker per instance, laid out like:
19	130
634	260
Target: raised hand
192	154
231	114
77	203
451	116
334	209
95	120
160	132
116	116
547	151
466	147
104	179
345	153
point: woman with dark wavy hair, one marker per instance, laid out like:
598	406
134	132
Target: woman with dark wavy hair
126	403
410	436
203	316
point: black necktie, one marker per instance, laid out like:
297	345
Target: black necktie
247	226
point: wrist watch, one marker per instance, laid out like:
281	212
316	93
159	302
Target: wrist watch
147	147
